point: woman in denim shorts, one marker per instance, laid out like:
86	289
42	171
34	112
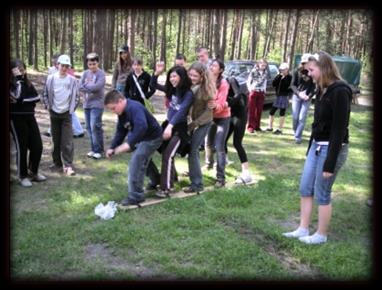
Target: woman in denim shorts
328	147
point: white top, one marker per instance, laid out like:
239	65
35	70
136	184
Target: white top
61	88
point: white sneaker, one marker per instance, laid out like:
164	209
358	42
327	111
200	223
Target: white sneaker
243	179
90	154
97	155
38	177
300	232
25	182
314	239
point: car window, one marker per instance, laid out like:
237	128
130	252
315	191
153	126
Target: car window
238	69
273	70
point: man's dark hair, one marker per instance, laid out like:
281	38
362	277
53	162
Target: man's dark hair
180	56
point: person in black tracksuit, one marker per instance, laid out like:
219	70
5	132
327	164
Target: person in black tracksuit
24	127
238	102
328	147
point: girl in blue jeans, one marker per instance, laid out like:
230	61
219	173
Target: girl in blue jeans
201	116
328	148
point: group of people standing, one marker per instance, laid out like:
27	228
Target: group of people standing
203	108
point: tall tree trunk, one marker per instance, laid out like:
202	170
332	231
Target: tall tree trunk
16	29
272	20
179	31
309	45
45	36
349	33
294	36
216	34
132	31
31	38
154	57
35	30
240	36
233	35
64	29
224	34
71	33
163	38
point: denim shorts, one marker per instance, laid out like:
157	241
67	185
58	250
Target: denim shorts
312	181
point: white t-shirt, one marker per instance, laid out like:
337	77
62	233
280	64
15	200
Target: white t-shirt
61	88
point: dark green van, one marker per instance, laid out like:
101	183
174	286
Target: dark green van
350	69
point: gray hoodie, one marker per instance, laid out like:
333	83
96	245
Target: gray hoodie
93	86
48	93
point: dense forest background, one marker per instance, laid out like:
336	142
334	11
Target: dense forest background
277	34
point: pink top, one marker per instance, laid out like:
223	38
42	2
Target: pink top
222	110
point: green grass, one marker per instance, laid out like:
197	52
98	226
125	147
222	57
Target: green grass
221	234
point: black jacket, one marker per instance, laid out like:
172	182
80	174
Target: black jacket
331	120
282	85
131	90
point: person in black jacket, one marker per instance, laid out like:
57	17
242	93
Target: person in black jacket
328	146
24	127
137	86
281	83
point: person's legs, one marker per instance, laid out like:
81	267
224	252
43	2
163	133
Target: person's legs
259	110
296	106
76	125
221	134
304	108
306	193
195	172
97	131
34	145
167	156
251	112
67	147
20	133
87	113
137	168
271	118
55	125
282	119
209	146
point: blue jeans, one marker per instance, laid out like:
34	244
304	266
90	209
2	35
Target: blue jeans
299	112
93	118
312	181
216	139
137	168
76	125
195	172
120	88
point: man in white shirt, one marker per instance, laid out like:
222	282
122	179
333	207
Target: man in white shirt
61	99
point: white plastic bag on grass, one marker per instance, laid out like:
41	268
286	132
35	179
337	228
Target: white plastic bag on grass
107	211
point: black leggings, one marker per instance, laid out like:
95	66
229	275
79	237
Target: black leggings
274	109
237	127
26	134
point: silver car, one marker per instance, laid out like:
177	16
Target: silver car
240	69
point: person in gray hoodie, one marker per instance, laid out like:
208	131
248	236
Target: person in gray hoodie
61	98
92	86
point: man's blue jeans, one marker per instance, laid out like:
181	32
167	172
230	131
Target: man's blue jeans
299	112
93	118
137	168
